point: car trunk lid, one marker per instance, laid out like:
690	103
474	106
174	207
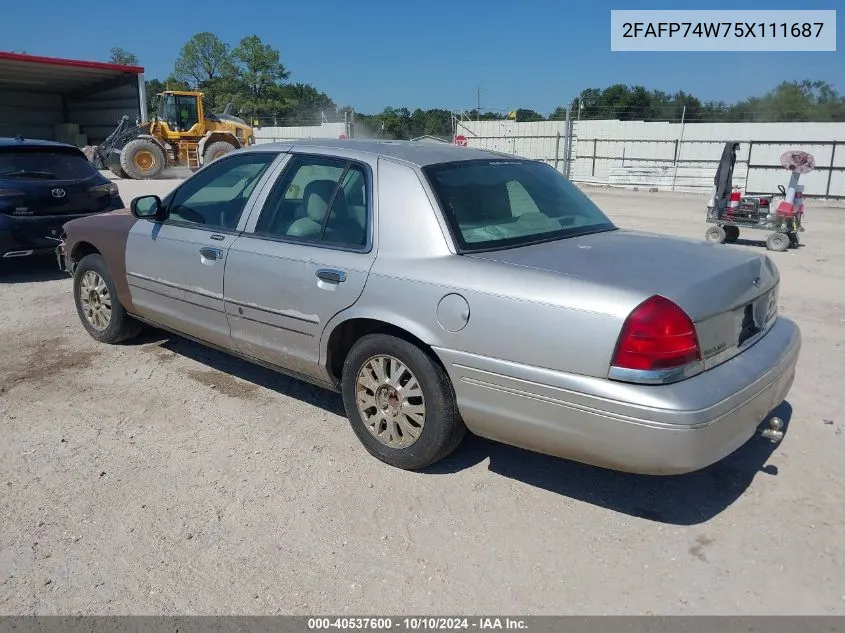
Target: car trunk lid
55	197
47	181
729	293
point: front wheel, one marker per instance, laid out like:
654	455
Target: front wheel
97	305
400	402
142	159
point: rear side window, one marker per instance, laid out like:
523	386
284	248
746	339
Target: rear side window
40	163
504	203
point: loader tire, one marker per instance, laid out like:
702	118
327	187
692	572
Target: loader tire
216	150
142	159
117	170
112	163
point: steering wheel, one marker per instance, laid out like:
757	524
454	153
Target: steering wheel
782	190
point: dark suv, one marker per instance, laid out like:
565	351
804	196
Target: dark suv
44	184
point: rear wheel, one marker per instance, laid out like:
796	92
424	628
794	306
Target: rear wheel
731	234
142	159
715	234
777	242
216	150
400	402
97	304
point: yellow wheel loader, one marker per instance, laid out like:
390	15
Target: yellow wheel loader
180	135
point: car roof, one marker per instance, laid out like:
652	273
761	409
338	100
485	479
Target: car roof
414	152
32	142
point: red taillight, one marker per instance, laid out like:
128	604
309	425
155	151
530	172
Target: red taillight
656	335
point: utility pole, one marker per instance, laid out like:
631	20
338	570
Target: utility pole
478	103
680	144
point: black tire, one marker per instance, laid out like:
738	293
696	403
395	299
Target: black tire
142	159
216	150
442	428
731	234
113	165
715	234
121	326
117	170
777	242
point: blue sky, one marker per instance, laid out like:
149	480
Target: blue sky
534	54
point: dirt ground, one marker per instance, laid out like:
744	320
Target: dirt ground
162	478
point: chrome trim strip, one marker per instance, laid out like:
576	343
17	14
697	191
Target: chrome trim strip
282	313
273	325
202	293
656	377
172	298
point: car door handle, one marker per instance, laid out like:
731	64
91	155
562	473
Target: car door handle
334	276
211	253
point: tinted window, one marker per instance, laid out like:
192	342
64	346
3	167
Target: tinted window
318	199
31	163
216	196
505	203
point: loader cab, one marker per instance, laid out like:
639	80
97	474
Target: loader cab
180	111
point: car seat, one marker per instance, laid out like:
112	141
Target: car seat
315	199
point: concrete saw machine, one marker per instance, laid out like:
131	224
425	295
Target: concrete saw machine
729	211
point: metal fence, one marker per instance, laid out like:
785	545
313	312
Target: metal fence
690	165
668	156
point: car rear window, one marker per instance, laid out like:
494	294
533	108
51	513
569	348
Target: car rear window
34	163
503	203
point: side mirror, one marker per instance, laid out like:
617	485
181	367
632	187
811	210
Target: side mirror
147	208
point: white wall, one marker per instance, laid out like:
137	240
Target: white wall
636	153
273	134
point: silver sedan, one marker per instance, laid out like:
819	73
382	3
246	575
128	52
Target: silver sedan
443	288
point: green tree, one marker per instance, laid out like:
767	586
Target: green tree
122	57
203	58
258	73
524	115
302	104
152	87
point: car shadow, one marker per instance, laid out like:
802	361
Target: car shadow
33	269
687	499
233	366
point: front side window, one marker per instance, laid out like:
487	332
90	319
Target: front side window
216	196
504	203
318	199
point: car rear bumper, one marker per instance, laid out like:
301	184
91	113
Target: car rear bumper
648	429
36	235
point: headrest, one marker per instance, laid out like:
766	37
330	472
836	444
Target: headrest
317	195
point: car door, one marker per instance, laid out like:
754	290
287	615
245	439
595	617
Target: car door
302	259
175	267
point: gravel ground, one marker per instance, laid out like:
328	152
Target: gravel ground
162	478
